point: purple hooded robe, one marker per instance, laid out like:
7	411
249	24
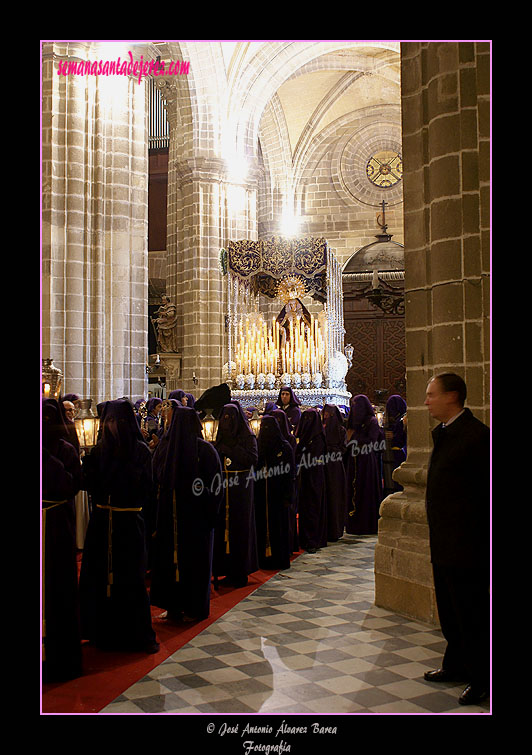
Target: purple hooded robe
273	496
335	480
115	607
61	480
363	468
395	452
282	419
310	459
292	410
235	539
186	469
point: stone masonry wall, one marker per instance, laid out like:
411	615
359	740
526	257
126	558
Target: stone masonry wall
445	106
94	227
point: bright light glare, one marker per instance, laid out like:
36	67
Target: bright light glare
237	168
289	224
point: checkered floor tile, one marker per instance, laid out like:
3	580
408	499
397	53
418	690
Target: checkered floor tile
310	640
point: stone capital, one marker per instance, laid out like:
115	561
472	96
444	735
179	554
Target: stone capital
212	169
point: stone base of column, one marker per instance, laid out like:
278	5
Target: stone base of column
403	571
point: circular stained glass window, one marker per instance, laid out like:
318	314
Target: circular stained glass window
385	169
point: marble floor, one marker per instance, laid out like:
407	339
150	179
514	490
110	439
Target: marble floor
309	640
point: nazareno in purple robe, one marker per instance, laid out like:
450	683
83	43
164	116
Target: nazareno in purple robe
61	480
177	394
292	409
310	459
235	538
335	480
363	468
282	419
395	452
273	496
115	606
153	424
187	471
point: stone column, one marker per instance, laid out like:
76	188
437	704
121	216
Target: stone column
212	210
206	208
94	224
445	107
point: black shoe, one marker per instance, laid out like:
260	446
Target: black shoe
152	648
312	550
473	694
174	616
441	675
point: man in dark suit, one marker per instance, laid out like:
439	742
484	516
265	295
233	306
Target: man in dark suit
458	514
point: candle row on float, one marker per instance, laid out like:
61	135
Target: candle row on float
262	349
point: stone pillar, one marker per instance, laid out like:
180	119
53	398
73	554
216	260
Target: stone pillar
445	108
94	223
206	208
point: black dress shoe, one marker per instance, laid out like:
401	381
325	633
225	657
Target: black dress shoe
441	675
472	695
151	648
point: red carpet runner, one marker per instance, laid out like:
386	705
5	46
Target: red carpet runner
107	674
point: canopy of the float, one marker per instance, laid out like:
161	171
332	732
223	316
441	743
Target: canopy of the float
256	268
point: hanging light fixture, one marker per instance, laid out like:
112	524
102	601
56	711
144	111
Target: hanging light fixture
255	421
51	377
210	426
87	425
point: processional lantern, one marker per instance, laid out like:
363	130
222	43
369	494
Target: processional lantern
210	426
87	425
51	379
255	422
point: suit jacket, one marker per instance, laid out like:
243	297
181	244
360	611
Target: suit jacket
458	494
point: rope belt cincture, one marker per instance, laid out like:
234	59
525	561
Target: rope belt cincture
110	509
175	538
353	510
53	505
268	551
227	473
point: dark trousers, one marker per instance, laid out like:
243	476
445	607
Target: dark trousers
462	597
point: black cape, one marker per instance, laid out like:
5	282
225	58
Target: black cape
115	607
310	459
61	480
274	481
187	471
235	547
